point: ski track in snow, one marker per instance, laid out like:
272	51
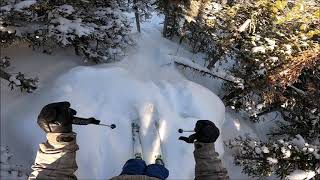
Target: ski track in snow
137	87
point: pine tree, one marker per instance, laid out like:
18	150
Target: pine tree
142	10
173	12
96	29
18	80
274	48
281	72
278	157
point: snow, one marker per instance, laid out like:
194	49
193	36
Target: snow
245	25
288	49
271	43
265	149
299	141
286	152
132	85
301	175
259	49
6	8
66	26
260	106
272	160
235	125
14	80
257	150
7	170
24	4
273	59
117	93
220	74
68	9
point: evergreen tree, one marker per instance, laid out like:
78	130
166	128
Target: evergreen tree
173	12
278	157
142	10
96	29
18	80
274	48
277	47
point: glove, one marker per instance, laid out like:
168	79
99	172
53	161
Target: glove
206	132
56	118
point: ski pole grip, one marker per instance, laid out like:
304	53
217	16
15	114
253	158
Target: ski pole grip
84	121
94	121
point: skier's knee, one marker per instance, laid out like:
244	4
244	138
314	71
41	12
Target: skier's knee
134	167
158	171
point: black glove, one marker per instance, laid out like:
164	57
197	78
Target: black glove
206	132
56	118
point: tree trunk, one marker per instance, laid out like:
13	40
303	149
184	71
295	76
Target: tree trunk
212	62
166	19
172	30
165	26
136	14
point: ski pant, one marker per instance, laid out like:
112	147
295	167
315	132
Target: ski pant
57	160
139	167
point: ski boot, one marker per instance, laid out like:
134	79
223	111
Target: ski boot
138	156
159	160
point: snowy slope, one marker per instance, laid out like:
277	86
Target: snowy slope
113	93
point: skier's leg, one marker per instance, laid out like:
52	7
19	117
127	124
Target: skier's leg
134	167
157	170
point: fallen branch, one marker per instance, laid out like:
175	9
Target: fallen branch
298	90
204	71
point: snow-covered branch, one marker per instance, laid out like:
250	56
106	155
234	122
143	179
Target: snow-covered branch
19	81
180	61
7	169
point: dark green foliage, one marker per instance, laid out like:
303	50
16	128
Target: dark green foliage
97	30
280	157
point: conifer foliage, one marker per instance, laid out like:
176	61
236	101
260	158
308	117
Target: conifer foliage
97	30
279	157
274	47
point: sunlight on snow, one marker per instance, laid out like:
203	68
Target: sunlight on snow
155	148
237	124
148	112
162	129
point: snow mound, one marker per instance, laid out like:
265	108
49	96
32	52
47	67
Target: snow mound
137	87
24	4
301	175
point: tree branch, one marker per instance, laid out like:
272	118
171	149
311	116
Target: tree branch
4	75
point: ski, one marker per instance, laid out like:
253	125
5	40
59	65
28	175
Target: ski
136	140
159	158
152	136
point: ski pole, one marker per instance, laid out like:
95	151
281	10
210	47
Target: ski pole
86	121
182	131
